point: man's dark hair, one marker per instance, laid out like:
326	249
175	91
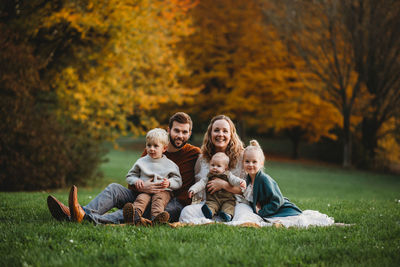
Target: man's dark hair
180	117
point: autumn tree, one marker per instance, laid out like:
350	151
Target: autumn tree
352	48
83	68
132	72
239	62
375	40
316	32
226	54
37	149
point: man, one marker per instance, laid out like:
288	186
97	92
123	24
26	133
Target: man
115	195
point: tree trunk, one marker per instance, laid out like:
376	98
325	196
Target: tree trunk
295	150
346	140
241	129
295	134
370	128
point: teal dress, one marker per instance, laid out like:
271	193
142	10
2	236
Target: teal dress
266	192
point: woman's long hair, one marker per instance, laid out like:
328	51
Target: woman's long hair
234	148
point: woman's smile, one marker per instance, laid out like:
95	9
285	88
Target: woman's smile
221	135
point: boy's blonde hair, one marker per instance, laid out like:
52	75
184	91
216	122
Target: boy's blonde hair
223	156
157	135
255	146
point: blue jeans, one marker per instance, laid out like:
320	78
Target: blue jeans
116	196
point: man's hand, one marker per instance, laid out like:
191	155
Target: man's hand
165	183
150	188
139	184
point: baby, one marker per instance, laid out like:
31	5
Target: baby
156	167
221	201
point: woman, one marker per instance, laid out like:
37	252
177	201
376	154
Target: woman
221	136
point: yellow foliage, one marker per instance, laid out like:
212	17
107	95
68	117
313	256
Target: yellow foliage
389	147
134	68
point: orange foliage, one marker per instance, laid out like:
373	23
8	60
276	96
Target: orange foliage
245	72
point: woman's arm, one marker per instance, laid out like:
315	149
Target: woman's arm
217	184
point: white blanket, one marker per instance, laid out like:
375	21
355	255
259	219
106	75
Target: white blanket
244	214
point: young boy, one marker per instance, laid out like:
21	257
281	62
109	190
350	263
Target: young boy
221	201
154	166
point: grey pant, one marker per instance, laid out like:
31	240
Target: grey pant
116	196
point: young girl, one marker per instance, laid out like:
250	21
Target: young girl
262	192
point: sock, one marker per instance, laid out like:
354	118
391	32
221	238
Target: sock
226	217
206	211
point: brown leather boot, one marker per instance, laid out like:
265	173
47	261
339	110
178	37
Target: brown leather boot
129	213
77	213
161	218
132	216
57	209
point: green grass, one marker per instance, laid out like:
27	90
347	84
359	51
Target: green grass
29	236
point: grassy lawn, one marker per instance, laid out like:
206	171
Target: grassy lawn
29	236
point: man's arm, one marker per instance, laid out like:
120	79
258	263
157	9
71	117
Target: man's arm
148	187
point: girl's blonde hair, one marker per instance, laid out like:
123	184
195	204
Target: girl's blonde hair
234	148
255	146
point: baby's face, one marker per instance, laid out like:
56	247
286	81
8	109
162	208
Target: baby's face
218	165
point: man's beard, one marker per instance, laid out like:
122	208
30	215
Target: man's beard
174	145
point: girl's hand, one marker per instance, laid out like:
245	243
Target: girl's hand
215	185
258	207
190	194
139	184
165	183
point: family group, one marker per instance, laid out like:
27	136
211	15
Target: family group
176	181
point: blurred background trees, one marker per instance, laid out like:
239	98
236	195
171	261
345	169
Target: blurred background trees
76	73
352	48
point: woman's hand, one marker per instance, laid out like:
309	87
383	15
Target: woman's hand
216	184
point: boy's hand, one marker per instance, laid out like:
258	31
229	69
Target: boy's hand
243	184
139	184
165	183
190	194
